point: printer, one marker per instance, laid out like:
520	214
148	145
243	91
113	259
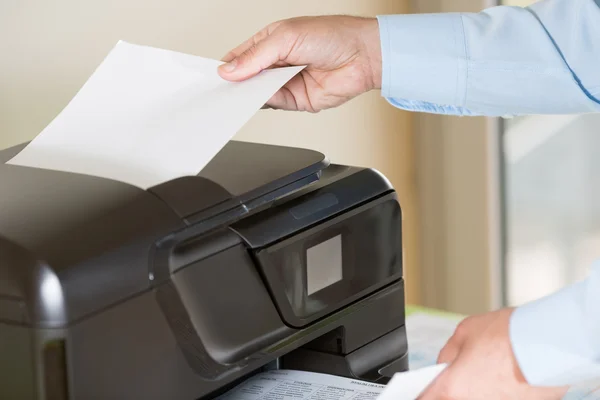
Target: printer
270	258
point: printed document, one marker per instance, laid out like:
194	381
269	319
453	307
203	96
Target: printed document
149	115
301	385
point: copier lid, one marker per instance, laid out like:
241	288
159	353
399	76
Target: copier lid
242	173
94	236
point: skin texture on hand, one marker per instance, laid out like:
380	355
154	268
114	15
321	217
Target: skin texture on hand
342	56
482	364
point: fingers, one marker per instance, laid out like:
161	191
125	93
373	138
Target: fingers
448	353
438	388
450	384
450	350
294	96
277	101
453	346
283	99
236	52
264	50
442	387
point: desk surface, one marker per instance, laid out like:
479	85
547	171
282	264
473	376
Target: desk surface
427	330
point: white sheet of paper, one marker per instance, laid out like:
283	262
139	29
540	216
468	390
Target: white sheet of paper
292	384
409	385
149	115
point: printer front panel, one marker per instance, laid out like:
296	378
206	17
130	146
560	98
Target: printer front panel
333	264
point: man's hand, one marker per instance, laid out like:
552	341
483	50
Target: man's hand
342	57
482	364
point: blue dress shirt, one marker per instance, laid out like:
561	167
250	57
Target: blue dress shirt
507	61
543	59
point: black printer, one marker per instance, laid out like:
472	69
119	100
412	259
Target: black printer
271	257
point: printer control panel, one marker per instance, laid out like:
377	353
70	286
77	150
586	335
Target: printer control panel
329	246
332	264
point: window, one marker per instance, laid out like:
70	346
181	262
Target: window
552	201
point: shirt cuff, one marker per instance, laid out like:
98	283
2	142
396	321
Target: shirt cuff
589	390
552	338
424	59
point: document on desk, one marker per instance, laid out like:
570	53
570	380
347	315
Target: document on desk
149	115
301	385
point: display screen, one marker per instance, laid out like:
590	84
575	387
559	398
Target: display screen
324	265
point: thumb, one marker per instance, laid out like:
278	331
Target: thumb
452	347
259	56
438	386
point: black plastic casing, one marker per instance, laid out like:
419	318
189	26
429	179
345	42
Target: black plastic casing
181	291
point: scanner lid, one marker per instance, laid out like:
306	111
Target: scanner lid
242	173
93	237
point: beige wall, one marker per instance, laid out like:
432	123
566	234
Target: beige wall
518	3
456	162
49	48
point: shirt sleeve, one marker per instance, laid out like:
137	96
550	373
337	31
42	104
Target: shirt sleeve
556	339
589	390
503	61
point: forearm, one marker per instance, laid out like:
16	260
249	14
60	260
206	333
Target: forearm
502	61
556	340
